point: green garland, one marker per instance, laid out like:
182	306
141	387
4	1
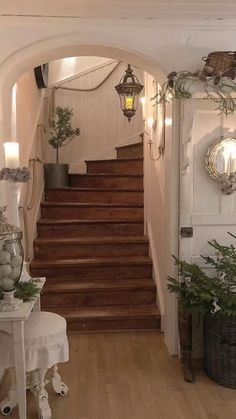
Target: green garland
214	293
218	88
26	291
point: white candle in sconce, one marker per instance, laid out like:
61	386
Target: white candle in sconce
150	122
11	150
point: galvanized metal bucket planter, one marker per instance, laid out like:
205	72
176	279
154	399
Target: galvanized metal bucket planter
56	175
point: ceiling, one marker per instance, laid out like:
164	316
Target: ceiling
122	9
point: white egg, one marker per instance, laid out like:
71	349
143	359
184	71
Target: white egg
16	261
6	270
15	273
7	284
5	257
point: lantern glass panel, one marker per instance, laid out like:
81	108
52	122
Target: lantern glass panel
129	102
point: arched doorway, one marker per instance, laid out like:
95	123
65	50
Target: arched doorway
61	47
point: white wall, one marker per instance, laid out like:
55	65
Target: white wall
28	110
99	117
63	69
29	100
161	204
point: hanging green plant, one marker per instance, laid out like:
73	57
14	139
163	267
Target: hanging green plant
218	88
214	293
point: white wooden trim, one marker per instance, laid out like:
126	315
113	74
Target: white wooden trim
156	274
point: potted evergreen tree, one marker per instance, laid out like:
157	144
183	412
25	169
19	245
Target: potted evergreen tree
215	296
61	133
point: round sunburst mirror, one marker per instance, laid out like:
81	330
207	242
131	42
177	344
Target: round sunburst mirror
220	163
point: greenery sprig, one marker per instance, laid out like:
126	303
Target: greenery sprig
61	131
218	88
216	293
26	291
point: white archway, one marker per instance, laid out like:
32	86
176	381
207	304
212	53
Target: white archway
63	46
54	48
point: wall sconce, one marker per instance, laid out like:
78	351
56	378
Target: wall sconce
129	90
220	162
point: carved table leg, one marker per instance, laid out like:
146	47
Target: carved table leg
8	404
58	386
41	396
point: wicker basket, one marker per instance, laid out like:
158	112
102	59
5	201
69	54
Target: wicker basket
220	349
221	61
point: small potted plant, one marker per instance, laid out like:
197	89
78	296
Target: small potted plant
61	133
215	296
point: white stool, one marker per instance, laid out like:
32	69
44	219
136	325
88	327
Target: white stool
46	345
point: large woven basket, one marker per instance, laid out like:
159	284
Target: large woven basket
220	349
221	61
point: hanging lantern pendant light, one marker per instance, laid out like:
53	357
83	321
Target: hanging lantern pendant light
129	90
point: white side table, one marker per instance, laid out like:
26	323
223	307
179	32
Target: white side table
15	321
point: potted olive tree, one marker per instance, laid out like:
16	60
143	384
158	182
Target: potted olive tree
61	133
215	296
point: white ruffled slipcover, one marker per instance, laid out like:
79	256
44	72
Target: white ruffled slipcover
46	342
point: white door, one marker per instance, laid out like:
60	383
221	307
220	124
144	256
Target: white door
203	208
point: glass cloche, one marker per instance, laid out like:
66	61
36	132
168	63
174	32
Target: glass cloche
11	261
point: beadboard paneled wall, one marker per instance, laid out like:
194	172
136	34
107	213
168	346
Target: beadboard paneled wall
98	115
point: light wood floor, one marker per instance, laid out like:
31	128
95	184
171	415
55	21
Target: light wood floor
131	376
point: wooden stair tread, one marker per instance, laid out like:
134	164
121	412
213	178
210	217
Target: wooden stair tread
93	239
127	159
123	147
99	272
110	312
52	221
106	174
93	286
89	205
99	261
116	190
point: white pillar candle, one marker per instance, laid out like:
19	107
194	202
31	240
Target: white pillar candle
150	123
11	150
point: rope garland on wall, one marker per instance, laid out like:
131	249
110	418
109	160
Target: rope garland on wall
92	89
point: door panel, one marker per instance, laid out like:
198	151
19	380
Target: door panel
202	205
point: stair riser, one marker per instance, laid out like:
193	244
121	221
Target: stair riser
102	298
99	213
78	181
74	251
74	230
74	273
113	324
132	152
105	197
125	168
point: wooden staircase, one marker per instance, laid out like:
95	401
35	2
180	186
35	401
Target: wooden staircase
92	249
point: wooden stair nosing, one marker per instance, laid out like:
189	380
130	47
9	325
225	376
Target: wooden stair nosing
96	286
127	159
99	261
116	190
112	312
106	174
124	147
93	240
89	205
50	221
